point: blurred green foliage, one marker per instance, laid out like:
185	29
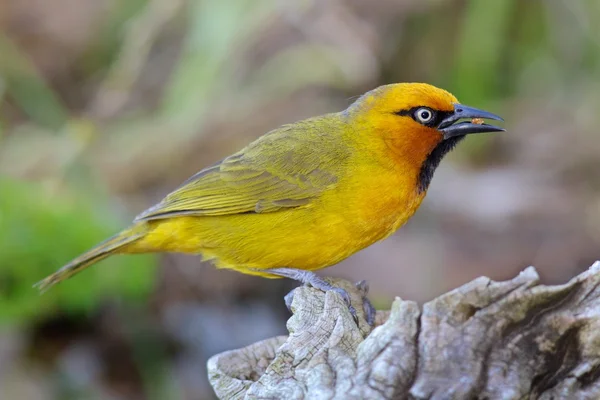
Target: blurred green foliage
42	231
25	87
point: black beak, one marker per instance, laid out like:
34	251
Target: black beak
450	128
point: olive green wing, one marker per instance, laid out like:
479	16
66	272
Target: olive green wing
288	167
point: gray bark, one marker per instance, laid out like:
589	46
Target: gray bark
485	340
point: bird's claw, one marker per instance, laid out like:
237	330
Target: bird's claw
288	299
368	308
311	279
346	298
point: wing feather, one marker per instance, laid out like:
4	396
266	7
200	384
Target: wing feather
280	170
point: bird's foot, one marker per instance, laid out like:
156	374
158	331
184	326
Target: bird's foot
312	279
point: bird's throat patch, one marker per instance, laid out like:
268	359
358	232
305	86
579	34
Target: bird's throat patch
433	160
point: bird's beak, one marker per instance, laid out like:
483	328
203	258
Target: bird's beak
450	127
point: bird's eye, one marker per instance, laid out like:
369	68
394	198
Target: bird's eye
424	115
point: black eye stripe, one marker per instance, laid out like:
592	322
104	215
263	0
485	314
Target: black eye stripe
438	116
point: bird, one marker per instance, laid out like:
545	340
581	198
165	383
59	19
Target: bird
309	194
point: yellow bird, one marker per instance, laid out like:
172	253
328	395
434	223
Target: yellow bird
307	195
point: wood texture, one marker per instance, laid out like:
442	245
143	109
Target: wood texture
485	340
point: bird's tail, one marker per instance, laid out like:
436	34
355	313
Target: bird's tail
114	245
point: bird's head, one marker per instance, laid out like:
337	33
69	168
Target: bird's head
419	123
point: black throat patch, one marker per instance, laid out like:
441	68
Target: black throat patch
433	160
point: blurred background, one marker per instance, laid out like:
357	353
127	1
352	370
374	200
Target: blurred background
107	105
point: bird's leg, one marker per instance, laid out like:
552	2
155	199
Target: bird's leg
312	279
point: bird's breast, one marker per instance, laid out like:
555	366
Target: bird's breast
375	203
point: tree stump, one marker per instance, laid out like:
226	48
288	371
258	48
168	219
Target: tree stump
485	340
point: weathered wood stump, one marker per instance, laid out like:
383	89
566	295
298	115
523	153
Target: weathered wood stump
485	340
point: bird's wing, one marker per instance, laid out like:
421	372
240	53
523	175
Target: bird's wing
288	167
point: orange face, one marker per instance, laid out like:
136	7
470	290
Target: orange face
405	115
419	123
